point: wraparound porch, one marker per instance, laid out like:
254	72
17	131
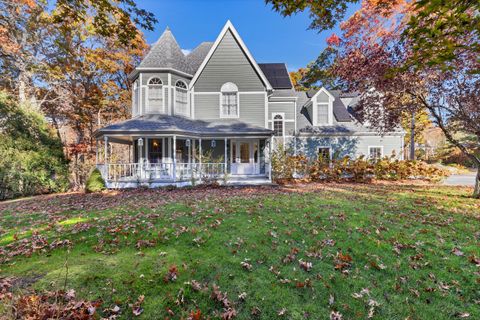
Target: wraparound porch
161	160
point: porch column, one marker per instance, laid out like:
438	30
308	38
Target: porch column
146	150
105	162
225	159
174	158
200	156
96	152
270	159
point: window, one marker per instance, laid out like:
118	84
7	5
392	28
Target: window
322	114
324	154
155	150
229	101
278	125
181	100
244	152
135	100
375	153
155	95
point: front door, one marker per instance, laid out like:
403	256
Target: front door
244	157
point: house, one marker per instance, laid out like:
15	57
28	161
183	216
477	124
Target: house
217	112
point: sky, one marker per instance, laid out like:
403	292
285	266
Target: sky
269	36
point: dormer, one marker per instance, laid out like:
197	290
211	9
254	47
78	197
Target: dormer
320	107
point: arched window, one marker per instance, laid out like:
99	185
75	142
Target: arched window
229	108
278	125
155	95
135	99
181	98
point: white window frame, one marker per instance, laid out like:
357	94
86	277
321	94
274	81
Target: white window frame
315	105
147	102
221	102
381	151
175	110
329	151
329	120
282	114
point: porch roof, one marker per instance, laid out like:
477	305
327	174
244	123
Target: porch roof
166	124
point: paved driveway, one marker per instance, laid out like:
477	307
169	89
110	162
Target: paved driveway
460	180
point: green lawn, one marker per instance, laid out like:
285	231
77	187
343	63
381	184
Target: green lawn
394	251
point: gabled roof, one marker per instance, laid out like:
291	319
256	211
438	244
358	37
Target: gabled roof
196	57
229	27
277	74
166	53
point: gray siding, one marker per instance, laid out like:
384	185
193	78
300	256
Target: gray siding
207	106
285	107
228	64
353	146
252	109
289	128
323	97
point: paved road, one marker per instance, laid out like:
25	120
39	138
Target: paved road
460	180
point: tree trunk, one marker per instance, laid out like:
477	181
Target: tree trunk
412	137
476	192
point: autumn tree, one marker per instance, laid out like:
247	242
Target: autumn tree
386	52
373	38
71	59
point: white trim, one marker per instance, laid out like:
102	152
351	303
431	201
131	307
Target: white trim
252	92
175	98
229	26
147	100
221	115
139	109
282	114
315	103
381	150
284	120
203	92
192	100
170	111
131	75
266	110
274	102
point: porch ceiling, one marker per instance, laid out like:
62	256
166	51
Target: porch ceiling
165	124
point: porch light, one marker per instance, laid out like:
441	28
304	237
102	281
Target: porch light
140	142
213	144
187	142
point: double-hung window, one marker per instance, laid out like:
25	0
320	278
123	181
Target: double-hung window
155	95
229	101
375	153
278	125
181	98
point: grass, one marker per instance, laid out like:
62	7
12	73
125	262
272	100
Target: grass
410	247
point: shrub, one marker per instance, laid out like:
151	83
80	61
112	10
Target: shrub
95	182
31	155
287	167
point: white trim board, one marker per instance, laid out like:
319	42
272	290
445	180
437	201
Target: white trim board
229	26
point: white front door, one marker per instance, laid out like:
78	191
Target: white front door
244	156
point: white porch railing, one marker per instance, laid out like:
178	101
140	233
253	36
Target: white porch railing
161	171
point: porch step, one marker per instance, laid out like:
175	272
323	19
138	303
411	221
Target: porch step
248	180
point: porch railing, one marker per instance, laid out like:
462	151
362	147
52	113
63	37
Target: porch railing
161	171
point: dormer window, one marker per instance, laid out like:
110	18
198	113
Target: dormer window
155	95
181	98
229	101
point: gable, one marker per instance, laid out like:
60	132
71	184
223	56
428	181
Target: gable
228	63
